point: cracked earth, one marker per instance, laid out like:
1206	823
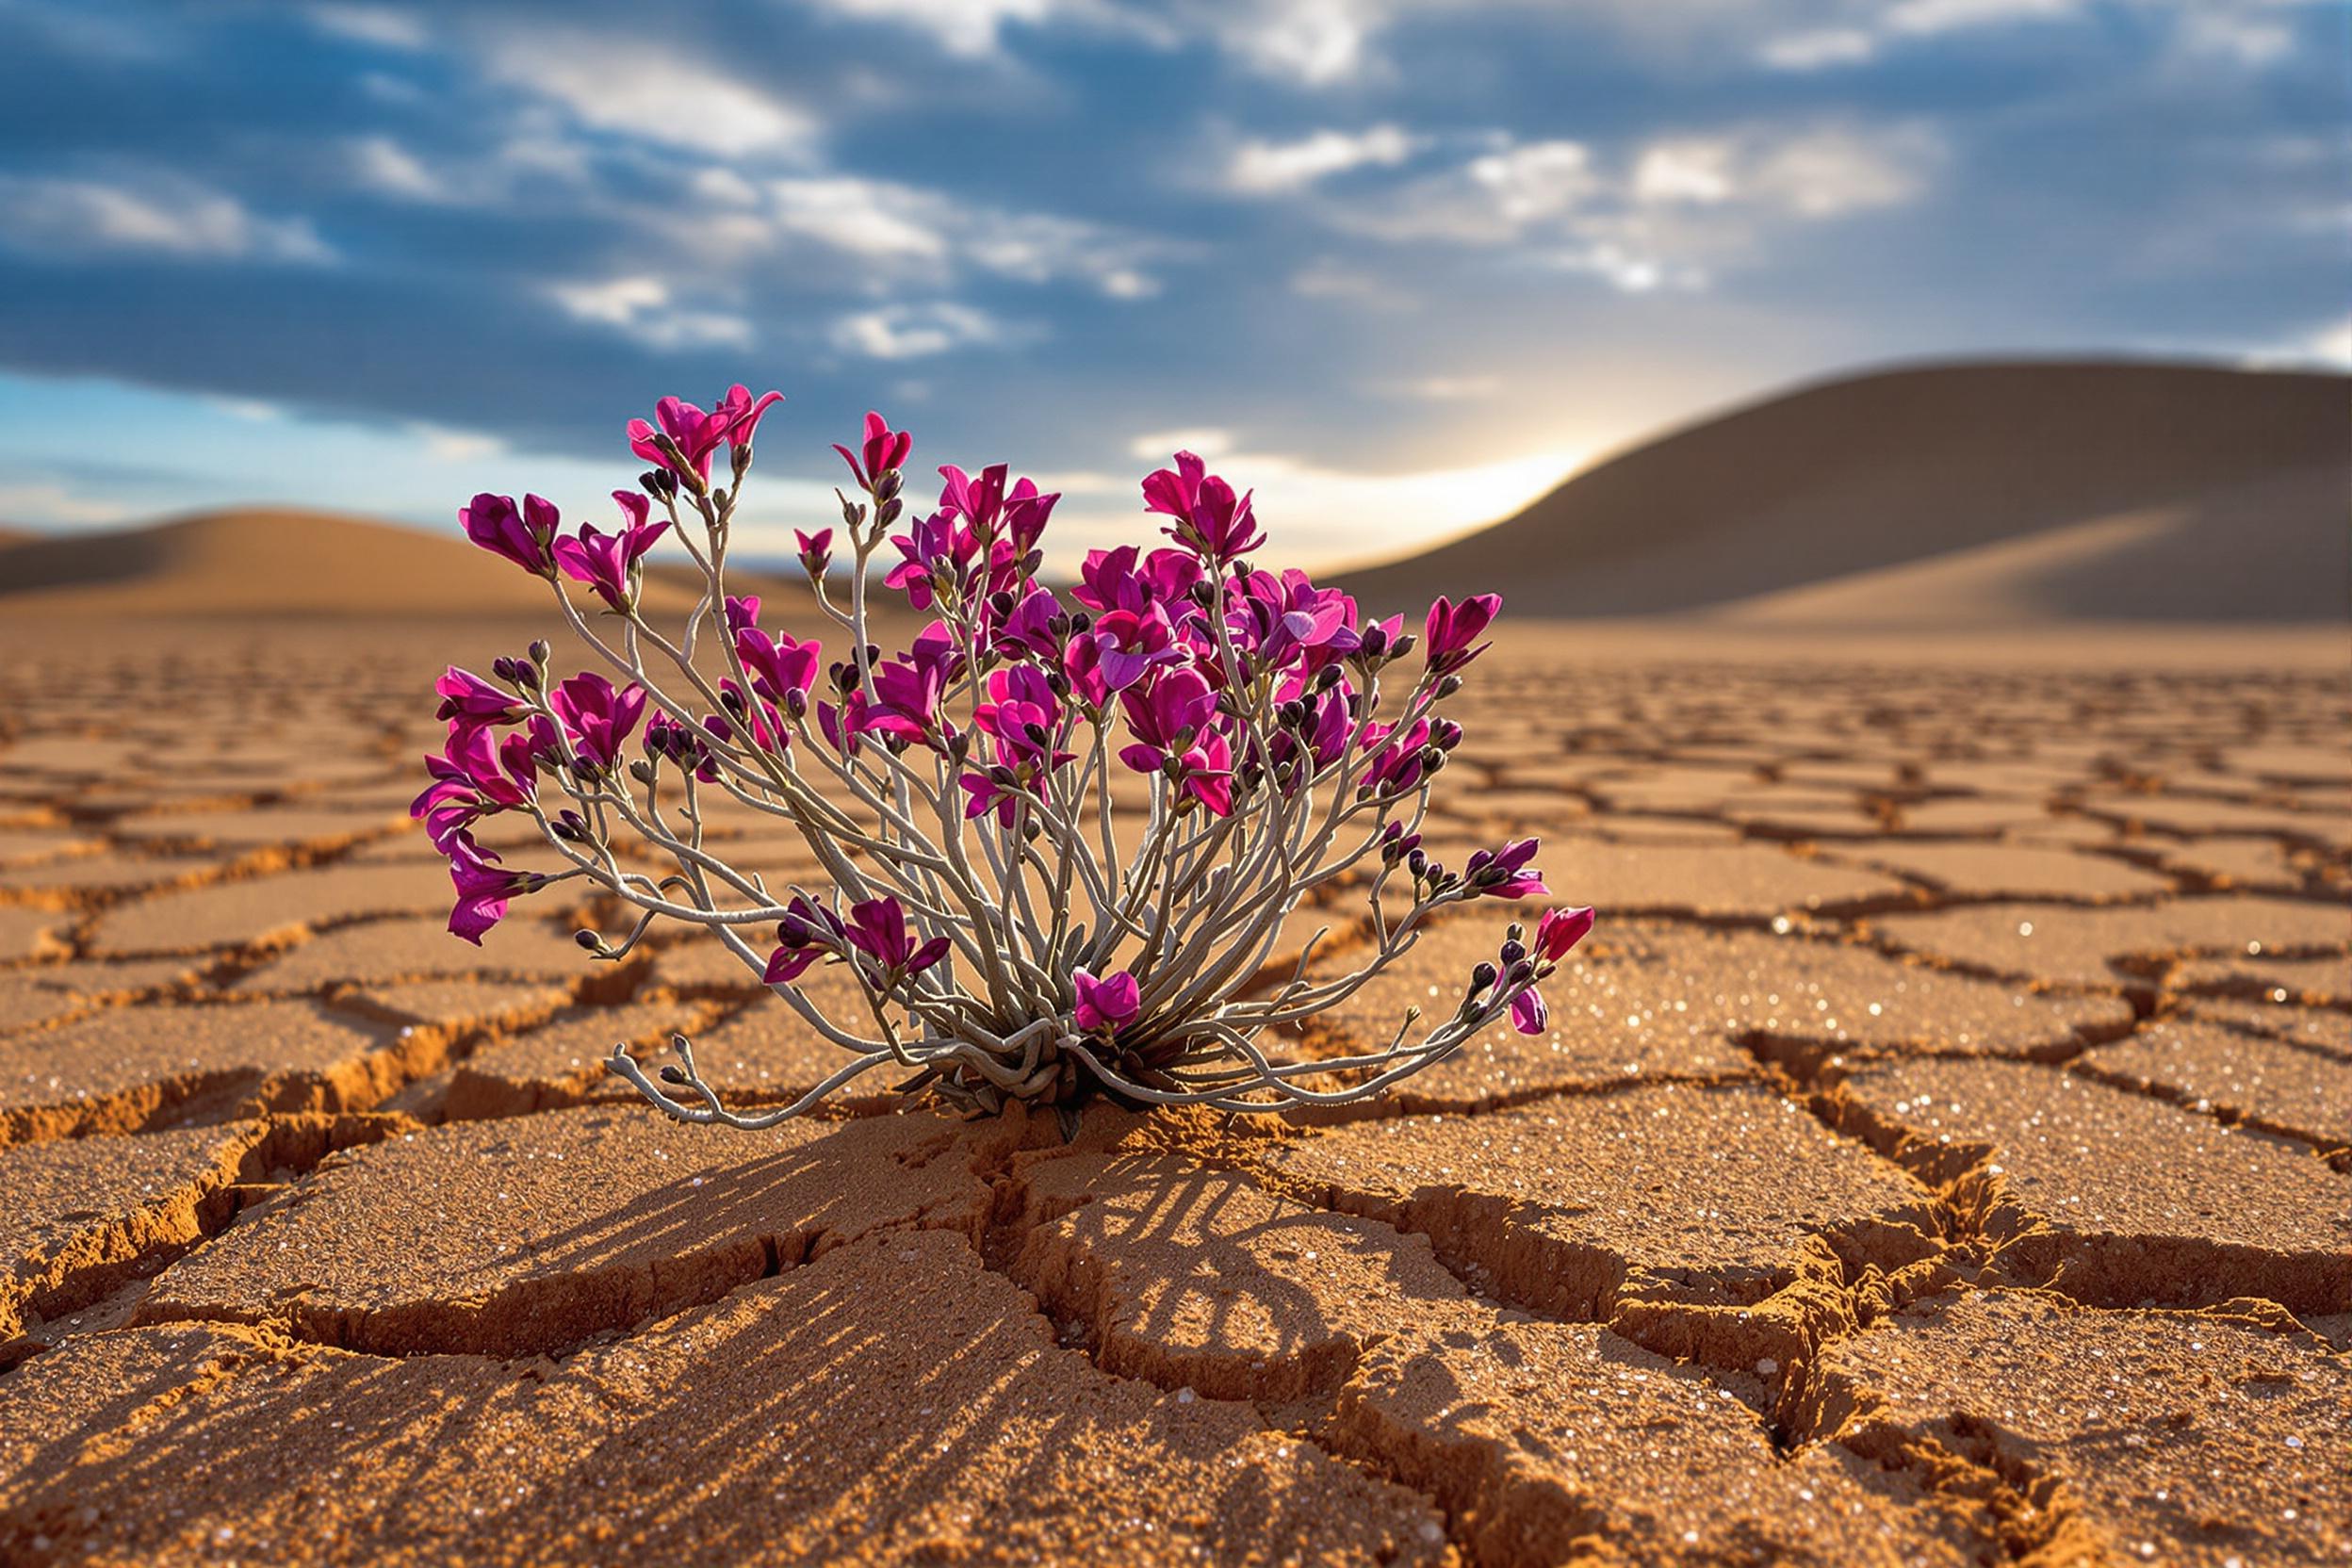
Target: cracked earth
1939	1156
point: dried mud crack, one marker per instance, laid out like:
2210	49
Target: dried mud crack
1937	1155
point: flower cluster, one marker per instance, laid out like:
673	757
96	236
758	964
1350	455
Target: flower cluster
1253	738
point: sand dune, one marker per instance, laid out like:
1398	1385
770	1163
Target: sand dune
265	562
1878	500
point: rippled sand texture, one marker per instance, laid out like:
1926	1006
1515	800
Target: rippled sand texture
1938	1157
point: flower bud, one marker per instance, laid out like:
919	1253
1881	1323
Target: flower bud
1448	686
1080	622
1375	641
1327	678
1513	952
1481	977
642	771
673	1073
1403	647
796	702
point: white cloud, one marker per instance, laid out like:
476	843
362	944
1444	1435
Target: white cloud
1320	42
1833	170
454	446
1329	280
1272	167
251	409
47	505
1125	283
867	218
967	28
386	27
644	309
1818	51
624	86
1540	179
382	164
2241	39
1447	389
1689	169
1928	18
912	234
916	332
168	216
1207	441
1663	215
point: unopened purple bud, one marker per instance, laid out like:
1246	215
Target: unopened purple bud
1375	641
1448	686
1080	622
1481	977
1513	952
1403	647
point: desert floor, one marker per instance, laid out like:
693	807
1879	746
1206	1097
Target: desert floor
1938	1155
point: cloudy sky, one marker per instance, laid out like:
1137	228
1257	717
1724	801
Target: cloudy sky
1399	264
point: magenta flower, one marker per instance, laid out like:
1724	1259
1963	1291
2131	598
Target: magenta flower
1208	773
816	551
599	717
1289	620
1026	512
937	546
798	943
1030	627
525	537
1451	629
1165	717
1107	1005
877	929
609	562
1529	1013
1129	647
779	664
470	702
1560	930
1023	717
1210	521
742	609
907	690
1505	873
1397	764
482	887
475	775
882	449
978	499
694	434
1114	580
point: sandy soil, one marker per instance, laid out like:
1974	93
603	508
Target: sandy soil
1938	1157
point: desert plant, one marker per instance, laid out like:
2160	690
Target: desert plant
960	794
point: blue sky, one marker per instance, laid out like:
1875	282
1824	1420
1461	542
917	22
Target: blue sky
1399	264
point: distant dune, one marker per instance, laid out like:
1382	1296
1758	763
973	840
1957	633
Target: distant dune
1976	494
265	562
